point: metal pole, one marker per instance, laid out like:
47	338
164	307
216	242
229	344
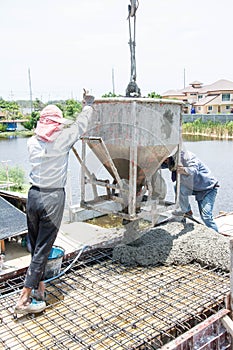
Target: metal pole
30	88
83	166
133	167
113	82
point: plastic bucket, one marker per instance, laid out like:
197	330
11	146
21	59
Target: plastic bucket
53	265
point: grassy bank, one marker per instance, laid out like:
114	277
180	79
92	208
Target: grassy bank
210	129
22	133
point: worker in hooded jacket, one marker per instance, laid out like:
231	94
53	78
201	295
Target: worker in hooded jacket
48	155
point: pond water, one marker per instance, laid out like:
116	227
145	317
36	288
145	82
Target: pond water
216	154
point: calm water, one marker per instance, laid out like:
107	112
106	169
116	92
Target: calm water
216	154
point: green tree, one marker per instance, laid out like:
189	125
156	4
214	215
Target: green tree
71	108
38	104
32	121
3	127
10	109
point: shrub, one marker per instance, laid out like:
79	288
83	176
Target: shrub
15	175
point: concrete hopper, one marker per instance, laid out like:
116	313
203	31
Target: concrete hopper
131	137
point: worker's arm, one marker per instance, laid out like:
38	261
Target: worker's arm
72	133
189	164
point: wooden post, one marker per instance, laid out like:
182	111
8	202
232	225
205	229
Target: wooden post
2	247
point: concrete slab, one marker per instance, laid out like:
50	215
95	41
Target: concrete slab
77	234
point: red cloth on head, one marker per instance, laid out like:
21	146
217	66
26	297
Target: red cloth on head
51	121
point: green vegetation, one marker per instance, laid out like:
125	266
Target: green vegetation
150	95
70	108
3	127
13	175
10	109
21	133
210	128
32	120
154	95
110	94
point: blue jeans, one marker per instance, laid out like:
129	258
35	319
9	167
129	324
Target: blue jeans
205	205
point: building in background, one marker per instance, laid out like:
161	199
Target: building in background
205	99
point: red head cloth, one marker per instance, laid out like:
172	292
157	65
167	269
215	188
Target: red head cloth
51	121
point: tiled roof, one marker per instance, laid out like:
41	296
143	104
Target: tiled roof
220	85
190	89
173	93
206	100
196	82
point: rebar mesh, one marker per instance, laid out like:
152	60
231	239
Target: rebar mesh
102	305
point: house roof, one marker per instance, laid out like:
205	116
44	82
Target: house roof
206	100
173	93
196	82
190	89
219	85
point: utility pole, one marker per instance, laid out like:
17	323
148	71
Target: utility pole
113	82
184	78
30	89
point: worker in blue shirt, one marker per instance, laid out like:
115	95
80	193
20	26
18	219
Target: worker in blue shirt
195	179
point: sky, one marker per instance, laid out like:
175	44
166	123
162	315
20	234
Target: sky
59	47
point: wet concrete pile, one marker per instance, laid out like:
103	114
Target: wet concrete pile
174	243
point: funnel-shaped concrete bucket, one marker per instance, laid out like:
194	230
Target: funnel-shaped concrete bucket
137	135
151	126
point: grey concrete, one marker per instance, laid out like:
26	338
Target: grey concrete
12	220
175	243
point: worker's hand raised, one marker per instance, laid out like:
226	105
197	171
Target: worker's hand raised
87	99
181	170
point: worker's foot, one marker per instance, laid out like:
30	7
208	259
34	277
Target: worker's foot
188	214
125	222
32	306
181	213
38	295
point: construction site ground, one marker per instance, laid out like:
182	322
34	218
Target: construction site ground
101	303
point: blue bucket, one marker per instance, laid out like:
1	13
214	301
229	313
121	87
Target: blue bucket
53	265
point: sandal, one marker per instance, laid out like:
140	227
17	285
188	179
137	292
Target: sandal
33	307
